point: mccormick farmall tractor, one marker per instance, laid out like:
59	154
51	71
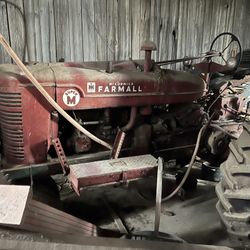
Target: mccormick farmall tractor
71	113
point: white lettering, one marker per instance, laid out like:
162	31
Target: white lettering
106	89
71	97
116	87
120	89
128	89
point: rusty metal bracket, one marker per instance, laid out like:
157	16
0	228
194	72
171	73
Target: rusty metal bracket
119	139
124	177
61	155
158	197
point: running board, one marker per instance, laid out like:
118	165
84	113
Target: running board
111	171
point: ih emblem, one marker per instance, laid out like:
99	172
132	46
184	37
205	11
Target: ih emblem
91	87
71	97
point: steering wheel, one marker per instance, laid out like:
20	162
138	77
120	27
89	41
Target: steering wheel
229	48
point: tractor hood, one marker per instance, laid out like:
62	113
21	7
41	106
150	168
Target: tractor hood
82	86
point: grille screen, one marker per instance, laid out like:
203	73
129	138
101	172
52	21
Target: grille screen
12	126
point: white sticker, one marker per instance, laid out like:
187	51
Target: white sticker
117	87
71	97
91	87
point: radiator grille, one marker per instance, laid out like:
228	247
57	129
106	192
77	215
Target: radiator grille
12	126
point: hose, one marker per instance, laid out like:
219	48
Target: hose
189	166
47	96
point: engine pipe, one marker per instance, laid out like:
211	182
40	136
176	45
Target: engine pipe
148	46
51	101
131	121
122	133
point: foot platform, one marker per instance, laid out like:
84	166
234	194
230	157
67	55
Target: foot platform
111	171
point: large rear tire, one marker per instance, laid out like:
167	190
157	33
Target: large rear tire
233	191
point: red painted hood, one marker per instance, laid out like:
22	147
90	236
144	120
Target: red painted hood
80	86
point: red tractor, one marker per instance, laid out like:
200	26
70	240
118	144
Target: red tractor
139	111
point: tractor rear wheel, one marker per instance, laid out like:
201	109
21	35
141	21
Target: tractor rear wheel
233	190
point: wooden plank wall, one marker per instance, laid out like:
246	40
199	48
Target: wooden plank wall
84	30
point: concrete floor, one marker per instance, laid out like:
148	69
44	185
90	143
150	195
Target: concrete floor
194	219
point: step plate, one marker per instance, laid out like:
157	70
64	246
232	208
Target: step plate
109	171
